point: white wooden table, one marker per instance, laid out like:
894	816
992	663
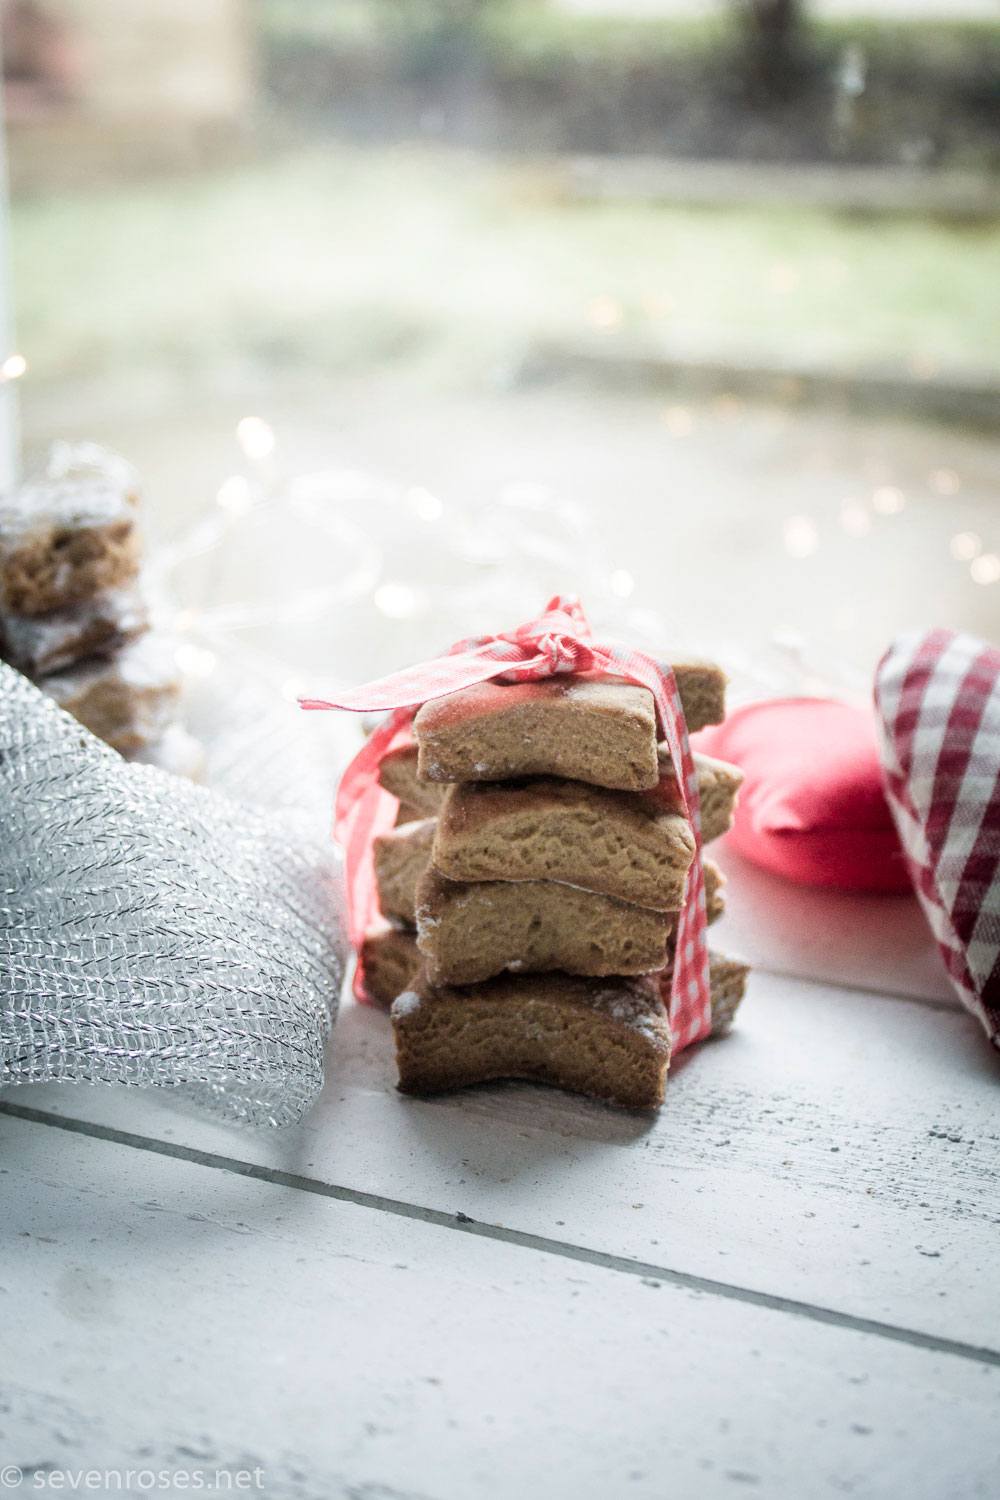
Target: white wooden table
786	1285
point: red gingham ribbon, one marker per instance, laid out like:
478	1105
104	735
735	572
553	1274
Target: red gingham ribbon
558	641
937	699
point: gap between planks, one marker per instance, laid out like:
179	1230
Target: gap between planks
521	1239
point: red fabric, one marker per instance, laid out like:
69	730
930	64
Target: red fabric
812	806
937	697
558	641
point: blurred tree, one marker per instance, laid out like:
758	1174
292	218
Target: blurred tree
771	39
437	34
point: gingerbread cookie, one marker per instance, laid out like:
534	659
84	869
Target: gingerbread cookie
398	774
718	787
390	958
127	701
715	896
401	856
599	730
64	538
728	978
470	932
615	843
608	1038
37	644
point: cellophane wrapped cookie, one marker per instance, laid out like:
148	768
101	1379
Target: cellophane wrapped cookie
73	609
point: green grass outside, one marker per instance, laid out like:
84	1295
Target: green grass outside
342	257
535	29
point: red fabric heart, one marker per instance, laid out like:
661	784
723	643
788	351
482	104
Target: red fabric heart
812	806
938	702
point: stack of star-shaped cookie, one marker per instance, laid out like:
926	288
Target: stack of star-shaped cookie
534	883
73	613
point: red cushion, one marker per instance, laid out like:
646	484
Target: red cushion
812	806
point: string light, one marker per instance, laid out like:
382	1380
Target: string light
658	305
678	421
194	661
256	438
985	568
801	537
855	518
784	277
945	481
727	405
425	505
923	366
397	601
605	313
13	367
234	495
965	545
887	500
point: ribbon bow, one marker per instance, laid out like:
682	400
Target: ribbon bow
558	641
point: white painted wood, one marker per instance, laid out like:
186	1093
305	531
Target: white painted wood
837	1149
158	1313
878	943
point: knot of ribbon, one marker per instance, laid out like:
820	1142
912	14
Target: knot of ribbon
558	641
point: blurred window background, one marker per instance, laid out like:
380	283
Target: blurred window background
725	278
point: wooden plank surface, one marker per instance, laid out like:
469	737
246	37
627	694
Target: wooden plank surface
160	1313
839	1150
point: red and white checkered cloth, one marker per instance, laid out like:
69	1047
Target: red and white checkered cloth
558	641
937	700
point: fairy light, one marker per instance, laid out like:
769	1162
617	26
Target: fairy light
784	277
985	568
678	421
234	495
397	601
800	536
605	313
727	405
887	500
256	438
621	583
13	367
944	481
965	545
923	366
424	505
855	519
194	661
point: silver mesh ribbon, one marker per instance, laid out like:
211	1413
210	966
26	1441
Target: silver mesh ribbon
154	932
